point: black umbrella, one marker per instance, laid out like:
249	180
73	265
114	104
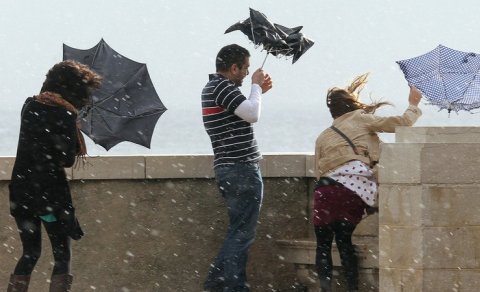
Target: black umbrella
126	107
276	39
296	40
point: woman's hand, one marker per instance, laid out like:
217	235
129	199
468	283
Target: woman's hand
415	96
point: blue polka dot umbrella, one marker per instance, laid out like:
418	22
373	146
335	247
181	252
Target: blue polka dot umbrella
447	78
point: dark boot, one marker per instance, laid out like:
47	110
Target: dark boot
325	284
18	283
61	283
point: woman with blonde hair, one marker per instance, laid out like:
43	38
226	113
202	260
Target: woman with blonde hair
49	141
345	157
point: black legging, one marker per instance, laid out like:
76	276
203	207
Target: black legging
342	230
31	237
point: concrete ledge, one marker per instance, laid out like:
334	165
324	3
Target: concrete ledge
285	164
111	167
173	166
6	165
179	166
310	166
437	134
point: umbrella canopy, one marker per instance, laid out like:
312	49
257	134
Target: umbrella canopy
448	78
126	107
274	38
298	42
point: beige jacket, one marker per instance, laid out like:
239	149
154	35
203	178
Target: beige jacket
331	150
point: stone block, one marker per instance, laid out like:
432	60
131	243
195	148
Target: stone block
310	166
476	235
284	165
450	163
448	248
401	205
437	134
179	166
429	280
451	205
400	247
451	280
111	167
400	164
400	280
368	226
6	166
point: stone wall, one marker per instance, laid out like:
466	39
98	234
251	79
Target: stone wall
154	223
429	236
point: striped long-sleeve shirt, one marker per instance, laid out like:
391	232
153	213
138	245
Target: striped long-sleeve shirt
232	138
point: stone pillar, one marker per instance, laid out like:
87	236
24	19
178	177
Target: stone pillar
429	222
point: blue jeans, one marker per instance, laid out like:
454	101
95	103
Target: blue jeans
241	186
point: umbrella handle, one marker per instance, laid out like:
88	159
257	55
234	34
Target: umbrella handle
264	60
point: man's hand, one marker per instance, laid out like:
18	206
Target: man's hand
267	83
258	77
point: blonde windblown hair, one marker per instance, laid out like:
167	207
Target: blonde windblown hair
341	101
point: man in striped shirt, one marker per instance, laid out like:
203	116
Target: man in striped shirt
228	116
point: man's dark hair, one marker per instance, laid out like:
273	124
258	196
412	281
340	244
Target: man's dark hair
73	81
229	55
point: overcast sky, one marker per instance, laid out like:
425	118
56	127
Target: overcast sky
178	40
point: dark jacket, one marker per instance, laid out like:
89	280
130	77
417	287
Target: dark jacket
47	144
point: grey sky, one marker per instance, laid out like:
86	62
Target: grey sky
179	40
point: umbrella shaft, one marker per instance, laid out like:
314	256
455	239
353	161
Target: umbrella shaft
264	60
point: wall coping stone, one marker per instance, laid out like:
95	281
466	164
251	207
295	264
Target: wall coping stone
167	166
437	134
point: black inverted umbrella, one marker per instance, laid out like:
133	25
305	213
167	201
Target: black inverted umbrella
448	78
276	39
296	40
126	107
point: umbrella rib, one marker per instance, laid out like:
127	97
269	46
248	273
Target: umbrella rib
251	28
114	114
470	83
96	51
443	81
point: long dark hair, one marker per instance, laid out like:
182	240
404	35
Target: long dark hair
73	81
341	101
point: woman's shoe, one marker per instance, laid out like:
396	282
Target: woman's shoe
18	283
61	283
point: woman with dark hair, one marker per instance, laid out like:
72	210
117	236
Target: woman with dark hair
345	158
49	141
